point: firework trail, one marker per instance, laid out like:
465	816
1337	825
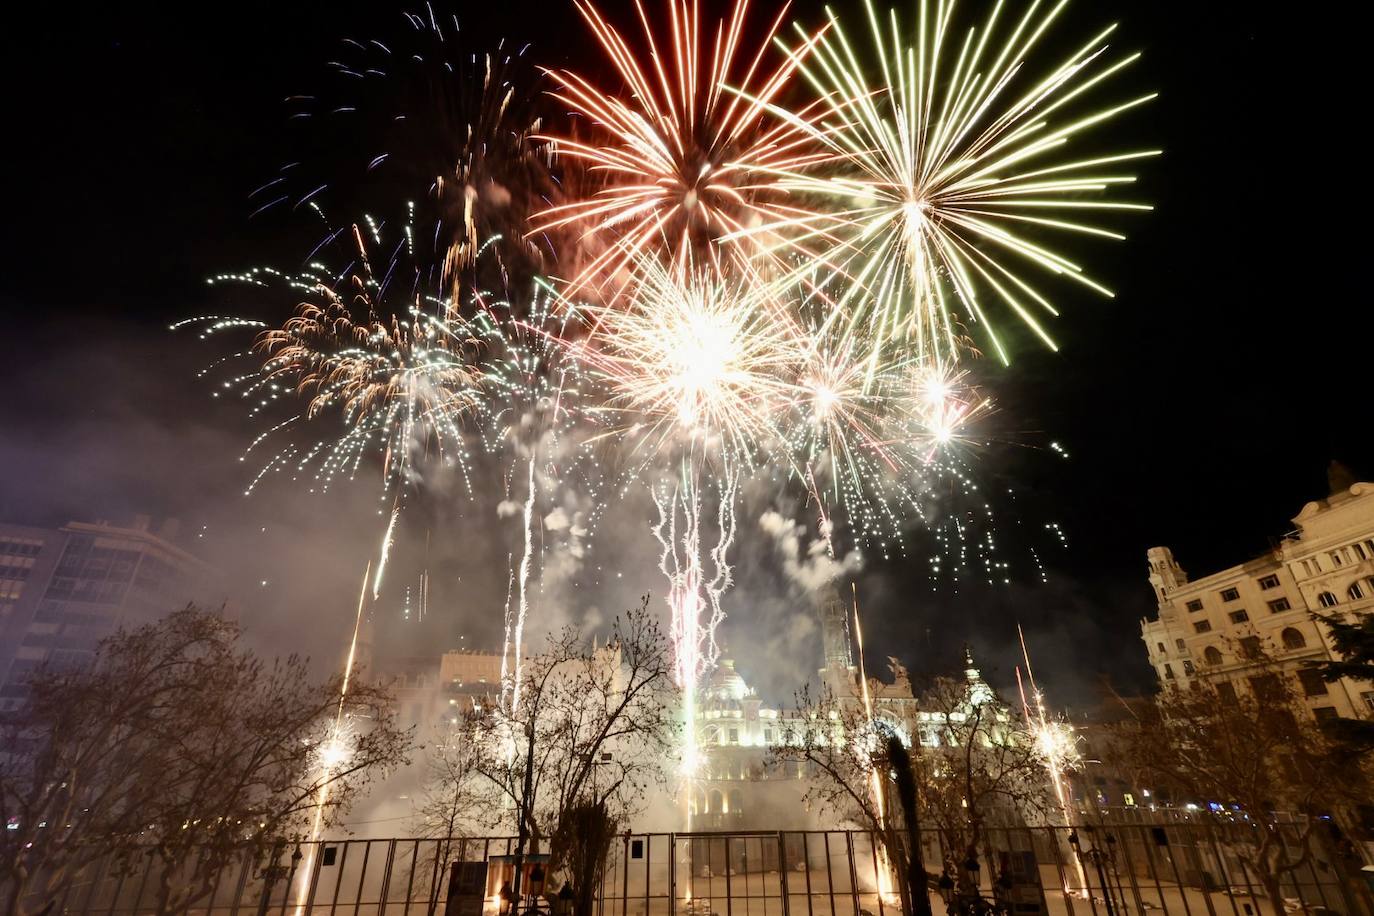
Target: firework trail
537	425
884	865
956	154
334	751
1054	740
682	162
516	648
697	578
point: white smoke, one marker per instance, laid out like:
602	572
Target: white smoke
813	568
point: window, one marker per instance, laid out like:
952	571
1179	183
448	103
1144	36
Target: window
1188	668
1269	581
1312	683
734	736
1182	646
1368	697
1266	687
1292	639
1226	692
1279	605
1202	626
1359	551
1212	655
1335	556
1326	599
1229	594
1250	647
1239	616
1168	671
1355	592
1195	604
1162	650
1324	713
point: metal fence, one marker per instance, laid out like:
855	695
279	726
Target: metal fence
1189	869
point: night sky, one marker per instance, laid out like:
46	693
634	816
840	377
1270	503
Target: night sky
1199	408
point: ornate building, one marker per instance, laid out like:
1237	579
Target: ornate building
1267	610
733	789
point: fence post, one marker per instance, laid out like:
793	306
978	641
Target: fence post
853	873
338	881
625	877
782	873
386	877
729	894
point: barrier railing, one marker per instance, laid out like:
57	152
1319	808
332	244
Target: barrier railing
1177	869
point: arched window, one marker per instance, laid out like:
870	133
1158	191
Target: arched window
1212	655
736	801
1292	639
717	802
1355	592
1326	599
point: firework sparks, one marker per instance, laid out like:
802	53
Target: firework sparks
692	355
400	378
697	578
683	162
414	111
1054	741
955	158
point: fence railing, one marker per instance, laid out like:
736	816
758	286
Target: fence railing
1177	869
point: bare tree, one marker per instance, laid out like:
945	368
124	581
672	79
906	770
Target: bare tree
446	807
584	842
849	757
975	759
593	726
981	763
1250	743
178	745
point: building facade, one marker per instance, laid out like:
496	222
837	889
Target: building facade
734	787
1261	612
62	590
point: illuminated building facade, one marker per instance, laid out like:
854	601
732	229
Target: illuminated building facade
1261	612
64	589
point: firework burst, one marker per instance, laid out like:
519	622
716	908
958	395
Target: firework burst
956	150
372	352
682	162
693	356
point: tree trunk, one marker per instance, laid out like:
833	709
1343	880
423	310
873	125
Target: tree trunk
16	892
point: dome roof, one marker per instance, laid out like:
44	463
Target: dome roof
726	682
